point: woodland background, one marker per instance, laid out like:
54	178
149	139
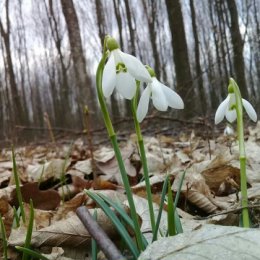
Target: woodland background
49	51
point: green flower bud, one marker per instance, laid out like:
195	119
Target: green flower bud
112	44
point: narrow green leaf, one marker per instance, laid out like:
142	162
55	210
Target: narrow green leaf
170	213
112	216
4	238
31	253
122	213
28	238
16	220
164	190
178	224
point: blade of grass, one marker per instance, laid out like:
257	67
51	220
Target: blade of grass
4	238
170	212
114	219
31	253
17	185
178	224
94	249
28	238
123	214
164	190
16	222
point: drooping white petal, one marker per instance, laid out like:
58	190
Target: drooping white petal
135	67
109	77
143	104
173	99
125	85
250	110
231	115
220	113
158	97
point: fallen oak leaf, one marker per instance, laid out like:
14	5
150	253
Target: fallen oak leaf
42	199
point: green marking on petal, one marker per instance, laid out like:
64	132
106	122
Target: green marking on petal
230	88
232	107
120	67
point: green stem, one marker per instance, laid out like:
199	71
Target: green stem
242	153
143	158
112	135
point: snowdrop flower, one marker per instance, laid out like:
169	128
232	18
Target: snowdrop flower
161	95
228	109
121	71
228	130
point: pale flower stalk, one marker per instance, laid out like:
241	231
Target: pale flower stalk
121	72
161	95
227	109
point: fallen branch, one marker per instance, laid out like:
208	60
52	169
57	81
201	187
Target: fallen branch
103	241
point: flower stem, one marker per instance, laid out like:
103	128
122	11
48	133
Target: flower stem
143	158
118	155
242	154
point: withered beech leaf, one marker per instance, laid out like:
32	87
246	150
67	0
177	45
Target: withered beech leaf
42	199
67	233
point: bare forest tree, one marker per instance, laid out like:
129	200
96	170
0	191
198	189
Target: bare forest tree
84	83
49	51
180	55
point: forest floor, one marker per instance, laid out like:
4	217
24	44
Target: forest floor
55	174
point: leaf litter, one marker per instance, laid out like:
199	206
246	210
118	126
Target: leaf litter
209	193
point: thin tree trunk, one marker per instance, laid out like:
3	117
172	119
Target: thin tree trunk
199	77
18	115
180	56
238	46
82	78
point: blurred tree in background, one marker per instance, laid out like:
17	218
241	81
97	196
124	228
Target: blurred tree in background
49	52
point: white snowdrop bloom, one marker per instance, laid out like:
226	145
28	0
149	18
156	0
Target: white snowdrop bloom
227	109
121	71
229	130
162	97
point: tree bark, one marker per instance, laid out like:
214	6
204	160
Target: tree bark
199	78
238	46
18	116
82	78
180	56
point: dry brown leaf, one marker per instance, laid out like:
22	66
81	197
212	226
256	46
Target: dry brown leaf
104	155
66	233
70	206
111	170
42	199
83	166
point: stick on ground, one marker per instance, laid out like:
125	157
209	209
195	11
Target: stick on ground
103	241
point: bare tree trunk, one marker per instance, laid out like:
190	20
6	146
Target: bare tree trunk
130	27
119	22
180	55
18	114
151	14
82	78
63	119
199	75
238	46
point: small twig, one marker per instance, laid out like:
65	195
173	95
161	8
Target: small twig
103	241
236	210
48	122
